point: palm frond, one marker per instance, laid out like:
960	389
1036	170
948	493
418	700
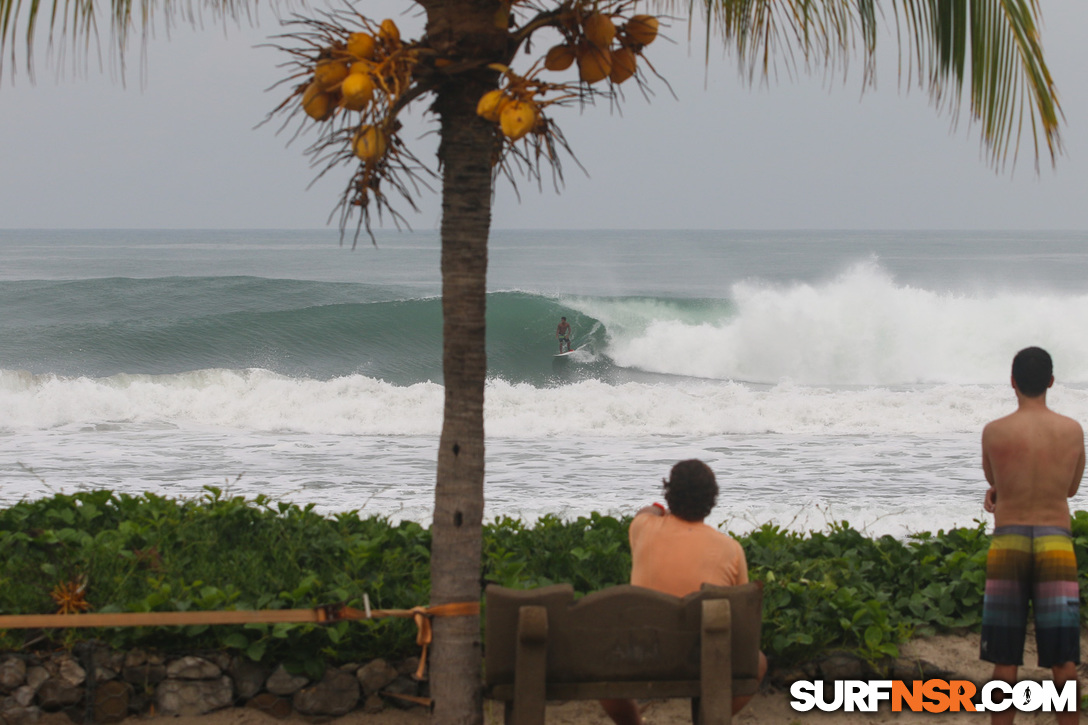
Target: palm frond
73	24
992	45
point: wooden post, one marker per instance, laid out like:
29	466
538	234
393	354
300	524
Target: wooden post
530	667
716	670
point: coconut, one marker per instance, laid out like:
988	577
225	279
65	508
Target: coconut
642	29
560	57
518	119
594	64
491	105
623	65
328	73
599	30
357	89
317	103
389	32
370	143
361	45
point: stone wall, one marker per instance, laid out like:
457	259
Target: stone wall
100	685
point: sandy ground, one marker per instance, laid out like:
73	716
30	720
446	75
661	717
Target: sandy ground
956	654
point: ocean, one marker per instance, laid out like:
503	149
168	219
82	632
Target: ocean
824	376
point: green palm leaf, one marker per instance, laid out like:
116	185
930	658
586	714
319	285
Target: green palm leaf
76	22
992	44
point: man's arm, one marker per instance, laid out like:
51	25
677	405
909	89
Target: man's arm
989	501
653	509
640	522
1079	470
987	469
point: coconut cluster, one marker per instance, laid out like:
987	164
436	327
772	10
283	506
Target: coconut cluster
366	73
601	48
353	76
603	44
514	107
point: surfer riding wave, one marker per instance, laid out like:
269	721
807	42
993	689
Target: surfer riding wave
562	333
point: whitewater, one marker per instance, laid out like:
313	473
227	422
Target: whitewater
824	376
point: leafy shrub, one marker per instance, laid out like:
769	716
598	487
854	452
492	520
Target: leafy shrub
822	590
147	553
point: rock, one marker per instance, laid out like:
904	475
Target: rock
12	673
109	659
55	694
785	678
135	658
111	701
65	668
220	659
71	673
375	675
282	682
147	674
107	664
23	696
192	668
277	707
401	686
144	668
843	667
105	674
193	697
22	715
35	676
374	704
248	676
408	666
336	694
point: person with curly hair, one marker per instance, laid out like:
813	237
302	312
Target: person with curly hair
674	552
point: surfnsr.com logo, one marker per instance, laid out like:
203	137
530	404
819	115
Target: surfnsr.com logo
932	696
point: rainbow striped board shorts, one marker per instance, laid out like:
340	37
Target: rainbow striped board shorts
1033	563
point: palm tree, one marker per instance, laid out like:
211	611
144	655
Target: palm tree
990	46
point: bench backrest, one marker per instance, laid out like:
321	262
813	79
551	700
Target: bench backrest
624	633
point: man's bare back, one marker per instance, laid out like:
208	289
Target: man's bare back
1033	460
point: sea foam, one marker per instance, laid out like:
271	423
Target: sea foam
860	328
259	400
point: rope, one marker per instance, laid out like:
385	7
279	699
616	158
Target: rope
319	615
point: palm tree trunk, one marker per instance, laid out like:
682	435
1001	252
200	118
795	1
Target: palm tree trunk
465	153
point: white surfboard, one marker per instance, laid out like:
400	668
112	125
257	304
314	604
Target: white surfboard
569	352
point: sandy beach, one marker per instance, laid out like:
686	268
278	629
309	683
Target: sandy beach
955	654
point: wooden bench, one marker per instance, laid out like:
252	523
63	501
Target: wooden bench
622	642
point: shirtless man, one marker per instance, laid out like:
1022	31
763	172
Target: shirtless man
563	334
1033	461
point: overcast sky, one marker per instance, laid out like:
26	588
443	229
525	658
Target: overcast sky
180	150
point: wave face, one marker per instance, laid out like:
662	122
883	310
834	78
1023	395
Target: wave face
303	329
861	328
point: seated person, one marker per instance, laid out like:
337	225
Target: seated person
674	552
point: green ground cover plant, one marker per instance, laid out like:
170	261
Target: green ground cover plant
832	589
